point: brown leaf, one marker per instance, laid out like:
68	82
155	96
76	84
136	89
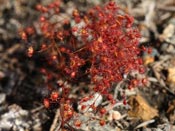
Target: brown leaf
171	75
171	111
141	109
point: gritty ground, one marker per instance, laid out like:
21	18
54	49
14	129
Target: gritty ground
151	108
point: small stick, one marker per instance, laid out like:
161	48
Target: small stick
167	8
145	123
37	109
54	124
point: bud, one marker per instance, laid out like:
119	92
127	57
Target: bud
46	103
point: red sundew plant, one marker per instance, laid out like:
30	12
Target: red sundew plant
99	48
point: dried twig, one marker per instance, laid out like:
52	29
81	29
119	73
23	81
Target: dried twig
167	8
158	76
145	123
55	126
37	109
